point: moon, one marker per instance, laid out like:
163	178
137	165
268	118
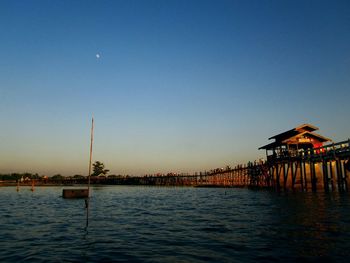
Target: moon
98	56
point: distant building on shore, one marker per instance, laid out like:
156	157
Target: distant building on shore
290	142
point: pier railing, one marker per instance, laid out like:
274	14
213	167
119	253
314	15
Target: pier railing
327	151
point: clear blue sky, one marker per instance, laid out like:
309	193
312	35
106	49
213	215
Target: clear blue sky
180	86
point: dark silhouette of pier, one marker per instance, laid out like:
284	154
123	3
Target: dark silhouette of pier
325	168
297	159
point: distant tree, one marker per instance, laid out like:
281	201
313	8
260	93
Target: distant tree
35	176
78	176
15	176
98	169
57	177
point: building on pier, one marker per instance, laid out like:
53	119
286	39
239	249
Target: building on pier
298	159
291	142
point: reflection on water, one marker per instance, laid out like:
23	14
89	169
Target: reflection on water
167	224
311	226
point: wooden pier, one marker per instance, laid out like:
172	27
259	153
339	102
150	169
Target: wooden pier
324	168
319	169
297	160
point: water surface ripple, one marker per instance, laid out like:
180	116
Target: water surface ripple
173	224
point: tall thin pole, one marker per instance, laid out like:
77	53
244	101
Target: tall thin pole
91	142
90	161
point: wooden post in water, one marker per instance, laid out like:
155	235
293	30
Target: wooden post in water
345	176
278	177
313	176
301	176
305	178
331	175
339	175
284	176
32	189
294	169
87	200
325	176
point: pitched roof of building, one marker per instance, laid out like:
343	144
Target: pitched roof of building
295	131
294	135
316	136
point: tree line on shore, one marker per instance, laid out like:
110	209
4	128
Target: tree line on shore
19	176
98	169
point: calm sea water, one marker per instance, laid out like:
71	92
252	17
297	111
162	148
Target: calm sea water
165	224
